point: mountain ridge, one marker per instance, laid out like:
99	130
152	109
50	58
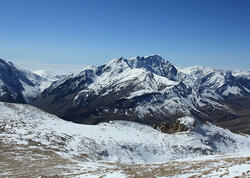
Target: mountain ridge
148	90
144	89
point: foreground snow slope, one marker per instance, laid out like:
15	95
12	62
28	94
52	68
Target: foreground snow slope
118	141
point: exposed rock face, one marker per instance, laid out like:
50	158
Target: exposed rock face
178	125
154	64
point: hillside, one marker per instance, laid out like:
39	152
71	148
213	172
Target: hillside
28	133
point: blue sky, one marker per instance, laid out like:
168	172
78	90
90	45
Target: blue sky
213	33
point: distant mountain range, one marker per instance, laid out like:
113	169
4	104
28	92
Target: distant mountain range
172	133
148	90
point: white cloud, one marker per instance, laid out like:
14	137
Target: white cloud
49	67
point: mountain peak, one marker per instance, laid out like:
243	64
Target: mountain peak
155	64
152	63
150	57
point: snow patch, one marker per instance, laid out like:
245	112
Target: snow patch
231	90
187	121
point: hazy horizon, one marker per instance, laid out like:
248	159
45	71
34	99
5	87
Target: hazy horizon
67	68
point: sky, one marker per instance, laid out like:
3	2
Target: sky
70	34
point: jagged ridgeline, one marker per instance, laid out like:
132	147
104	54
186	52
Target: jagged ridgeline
152	91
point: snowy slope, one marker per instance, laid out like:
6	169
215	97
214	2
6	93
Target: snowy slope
118	141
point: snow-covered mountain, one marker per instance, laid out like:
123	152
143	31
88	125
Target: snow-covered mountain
20	86
223	82
27	133
148	90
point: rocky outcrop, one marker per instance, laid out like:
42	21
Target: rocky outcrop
171	128
178	125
